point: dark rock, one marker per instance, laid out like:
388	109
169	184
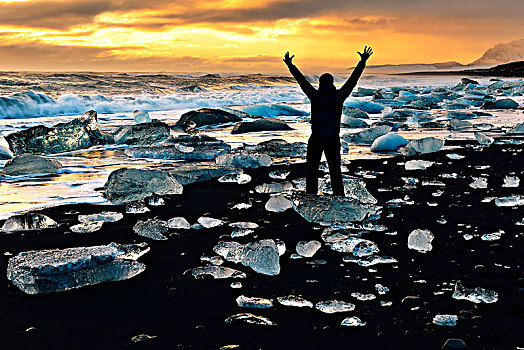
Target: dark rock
80	133
468	81
280	148
266	124
129	184
206	116
30	164
453	344
143	133
354	113
350	122
505	103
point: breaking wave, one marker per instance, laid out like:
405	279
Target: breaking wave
30	104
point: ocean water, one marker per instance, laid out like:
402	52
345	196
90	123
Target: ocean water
29	99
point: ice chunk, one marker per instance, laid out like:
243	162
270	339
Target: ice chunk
87	227
357	246
129	184
445	320
278	204
155	201
366	106
332	306
353	321
381	289
238	178
141	117
178	223
479	182
331	209
217	272
511	181
136	207
236	285
492	236
241	206
505	103
30	164
274	187
105	216
386	303
262	256
308	249
28	222
142	337
388	142
422	146
517	129
363	297
279	174
279	148
353	188
420	240
454	156
46	271
243	224
250	318
366	136
370	260
244	160
417	164
241	232
254	302
209	222
281	246
456	123
476	295
483	139
152	228
295	301
510	201
215	260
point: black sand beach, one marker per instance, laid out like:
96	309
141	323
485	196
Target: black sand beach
166	301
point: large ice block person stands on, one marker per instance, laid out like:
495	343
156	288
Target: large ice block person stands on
326	110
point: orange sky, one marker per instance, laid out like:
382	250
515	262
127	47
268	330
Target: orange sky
247	36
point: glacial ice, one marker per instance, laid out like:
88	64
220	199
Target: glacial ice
136	207
46	271
422	146
366	136
105	216
357	246
420	240
244	224
333	306
366	106
279	148
352	321
264	124
353	188
294	301
456	123
331	209
214	260
511	181
141	117
149	133
381	289
209	222
483	139
271	110
510	201
241	232
244	160
417	164
30	164
455	156
28	222
476	295
155	201
178	223
479	182
239	178
388	142
274	187
280	174
278	204
261	256
517	129
250	318
87	227
254	302
492	236
370	260
142	337
217	272
308	248
188	173
363	297
445	320
151	228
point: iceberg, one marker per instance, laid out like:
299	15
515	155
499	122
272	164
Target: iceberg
505	103
254	302
105	216
308	248
209	222
261	256
294	301
28	222
244	160
141	117
445	320
357	246
354	113
188	173
479	182
142	134
55	270
477	295
352	321
417	164
217	272
278	204
250	318
239	178
420	240
422	146
279	148
484	139
87	227
511	181
274	187
517	129
206	116
333	306
388	142
152	228
366	106
271	110
266	124
367	136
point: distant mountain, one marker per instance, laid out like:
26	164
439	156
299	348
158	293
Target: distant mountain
502	53
513	69
415	67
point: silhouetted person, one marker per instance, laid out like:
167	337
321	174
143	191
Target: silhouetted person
326	110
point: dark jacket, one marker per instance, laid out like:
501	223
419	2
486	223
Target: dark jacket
326	106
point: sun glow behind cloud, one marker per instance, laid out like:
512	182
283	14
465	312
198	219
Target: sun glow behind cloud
237	35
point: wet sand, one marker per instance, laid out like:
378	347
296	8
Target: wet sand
183	312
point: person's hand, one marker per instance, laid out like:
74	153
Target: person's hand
365	55
287	59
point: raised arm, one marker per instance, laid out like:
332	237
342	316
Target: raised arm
308	89
348	86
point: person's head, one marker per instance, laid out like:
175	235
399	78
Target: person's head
325	82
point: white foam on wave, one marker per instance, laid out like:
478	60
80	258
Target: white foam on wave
30	104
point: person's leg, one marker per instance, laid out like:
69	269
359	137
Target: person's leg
314	154
332	150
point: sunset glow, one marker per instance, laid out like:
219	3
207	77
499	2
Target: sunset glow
236	35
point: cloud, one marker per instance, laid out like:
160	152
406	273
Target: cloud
258	58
